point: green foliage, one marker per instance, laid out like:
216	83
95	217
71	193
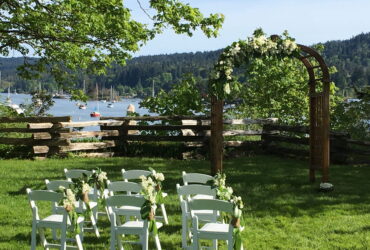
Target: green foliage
354	117
40	104
274	88
69	35
184	99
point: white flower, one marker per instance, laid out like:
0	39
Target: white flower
227	88
235	49
160	177
221	62
85	188
150	181
154	172
61	188
237	212
230	190
67	203
102	176
152	199
70	196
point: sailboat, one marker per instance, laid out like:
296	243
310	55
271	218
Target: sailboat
96	112
8	100
111	105
82	106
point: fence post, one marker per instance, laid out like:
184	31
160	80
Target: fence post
123	133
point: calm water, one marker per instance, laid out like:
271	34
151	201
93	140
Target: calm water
65	107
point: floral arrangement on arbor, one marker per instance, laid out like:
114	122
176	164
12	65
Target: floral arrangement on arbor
152	192
224	192
222	82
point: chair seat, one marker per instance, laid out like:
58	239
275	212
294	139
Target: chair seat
202	196
55	220
133	227
215	228
137	224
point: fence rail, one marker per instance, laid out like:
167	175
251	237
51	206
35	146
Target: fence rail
60	135
283	139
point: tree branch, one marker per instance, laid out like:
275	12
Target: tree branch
144	10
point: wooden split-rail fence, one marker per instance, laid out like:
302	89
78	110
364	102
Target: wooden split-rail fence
294	141
59	135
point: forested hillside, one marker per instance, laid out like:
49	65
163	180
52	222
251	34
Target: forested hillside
351	57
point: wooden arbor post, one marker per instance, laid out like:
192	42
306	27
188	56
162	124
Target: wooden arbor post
319	87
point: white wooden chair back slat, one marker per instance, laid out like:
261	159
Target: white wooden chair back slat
55	184
134	174
196	178
218	205
124	186
44	195
76	173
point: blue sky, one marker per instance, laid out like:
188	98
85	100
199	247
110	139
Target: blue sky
309	21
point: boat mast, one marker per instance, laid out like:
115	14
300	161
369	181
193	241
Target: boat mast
153	88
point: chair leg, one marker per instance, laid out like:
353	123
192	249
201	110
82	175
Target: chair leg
144	240
120	247
230	243
33	236
157	242
195	241
215	244
79	242
54	233
42	237
95	212
112	239
164	213
184	232
93	222
63	239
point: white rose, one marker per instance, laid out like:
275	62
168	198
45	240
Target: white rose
227	88
85	188
230	190
160	177
102	176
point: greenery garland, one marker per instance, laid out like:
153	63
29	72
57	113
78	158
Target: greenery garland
222	83
223	192
152	192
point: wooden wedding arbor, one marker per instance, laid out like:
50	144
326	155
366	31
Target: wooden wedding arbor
319	129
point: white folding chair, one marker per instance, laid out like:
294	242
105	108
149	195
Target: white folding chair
135	175
94	193
80	205
191	192
214	230
128	188
54	221
195	178
131	227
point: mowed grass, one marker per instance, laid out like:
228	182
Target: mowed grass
283	210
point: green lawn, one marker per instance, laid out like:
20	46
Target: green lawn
283	210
